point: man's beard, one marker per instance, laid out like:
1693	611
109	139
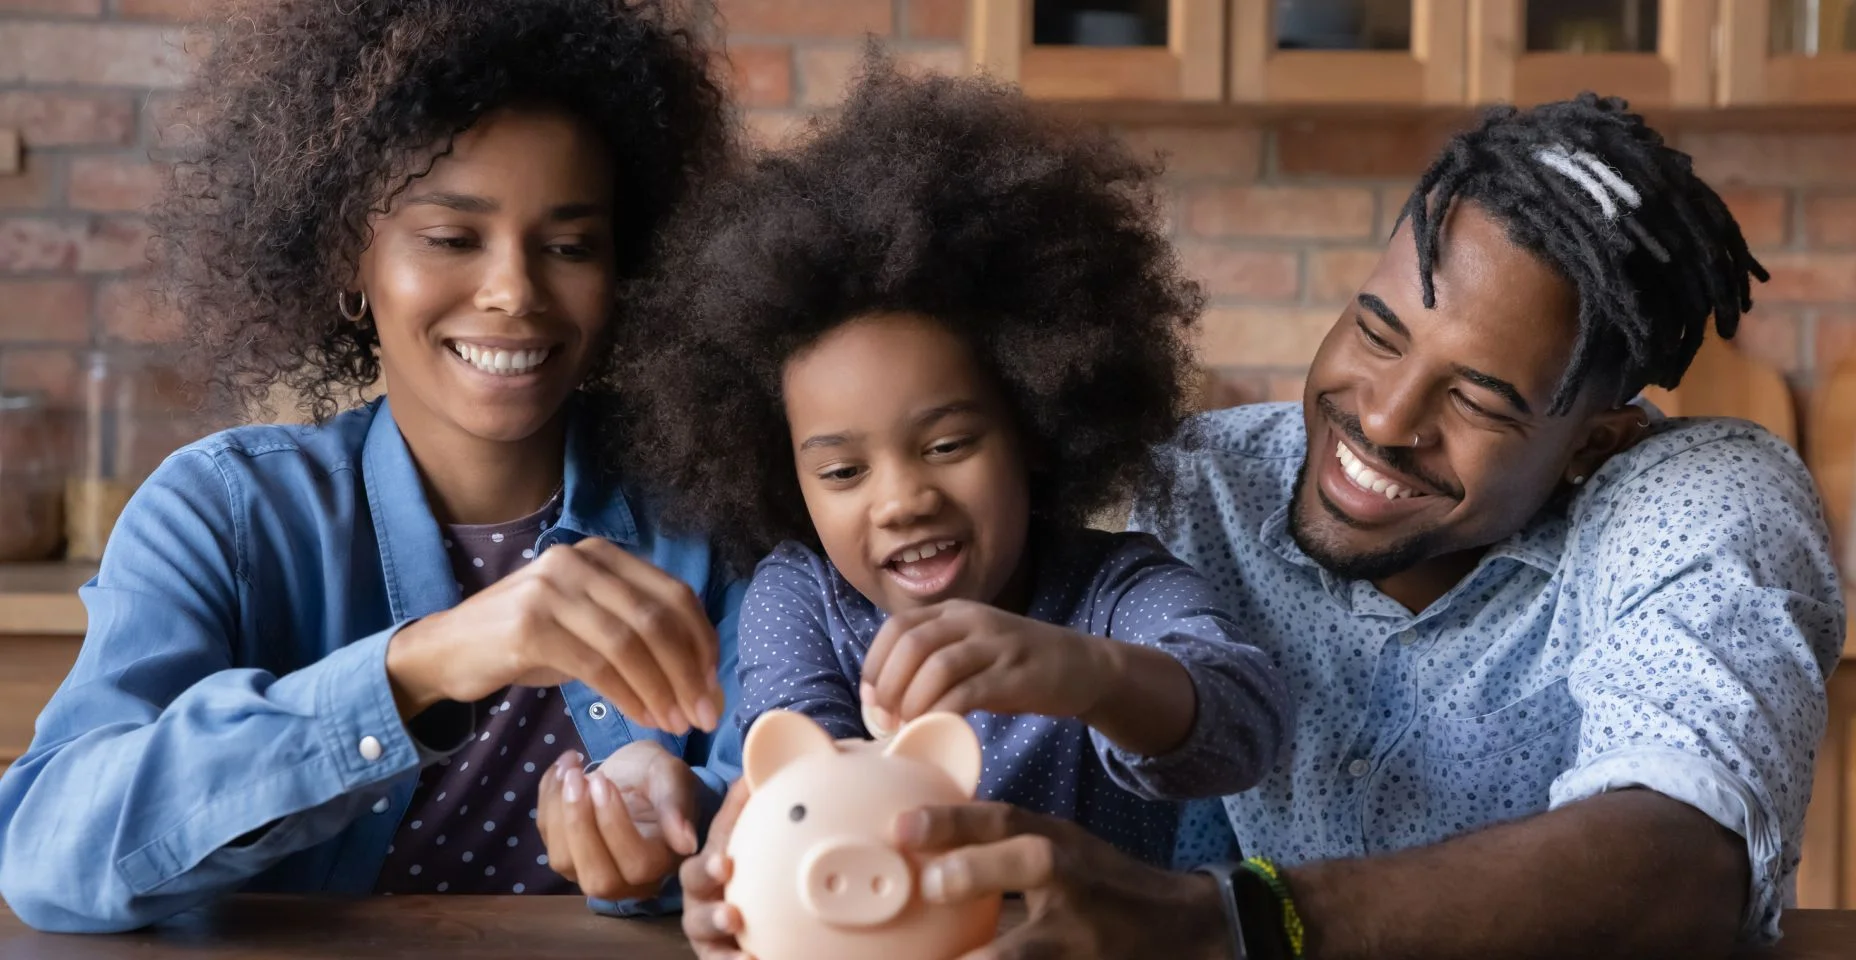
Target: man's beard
1376	565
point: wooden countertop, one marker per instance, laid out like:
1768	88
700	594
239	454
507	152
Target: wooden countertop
42	597
541	928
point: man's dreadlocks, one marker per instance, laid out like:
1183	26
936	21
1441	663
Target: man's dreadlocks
1587	186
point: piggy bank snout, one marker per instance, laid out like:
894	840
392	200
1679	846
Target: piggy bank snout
854	883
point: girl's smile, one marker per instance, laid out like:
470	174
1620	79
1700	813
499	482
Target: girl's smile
909	463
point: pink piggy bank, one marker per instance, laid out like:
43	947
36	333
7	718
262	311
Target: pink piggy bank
815	876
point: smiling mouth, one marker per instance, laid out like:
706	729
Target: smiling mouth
926	568
500	362
1368	479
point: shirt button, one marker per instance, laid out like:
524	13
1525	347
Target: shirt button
1359	767
380	805
370	749
597	711
1408	638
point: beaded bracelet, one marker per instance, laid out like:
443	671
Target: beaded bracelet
1291	920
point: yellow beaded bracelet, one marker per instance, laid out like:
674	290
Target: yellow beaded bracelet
1291	920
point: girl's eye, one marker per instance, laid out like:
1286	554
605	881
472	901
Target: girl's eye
572	251
949	447
447	243
840	474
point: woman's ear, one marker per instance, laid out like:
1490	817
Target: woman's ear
1605	435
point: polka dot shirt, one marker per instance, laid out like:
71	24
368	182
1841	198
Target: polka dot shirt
470	827
805	630
1670	627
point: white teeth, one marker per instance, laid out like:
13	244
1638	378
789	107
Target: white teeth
1367	478
504	362
924	551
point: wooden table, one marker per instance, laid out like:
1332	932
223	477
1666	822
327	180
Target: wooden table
532	928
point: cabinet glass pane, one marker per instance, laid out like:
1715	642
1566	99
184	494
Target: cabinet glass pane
1099	23
1591	26
1343	24
1813	27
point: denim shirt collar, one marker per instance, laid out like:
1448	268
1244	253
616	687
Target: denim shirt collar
418	574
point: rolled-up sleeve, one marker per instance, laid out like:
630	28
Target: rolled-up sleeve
1718	623
1243	716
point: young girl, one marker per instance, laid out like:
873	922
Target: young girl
341	657
916	352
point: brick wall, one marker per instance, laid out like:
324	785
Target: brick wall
1279	220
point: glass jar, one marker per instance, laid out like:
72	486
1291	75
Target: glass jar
106	472
31	510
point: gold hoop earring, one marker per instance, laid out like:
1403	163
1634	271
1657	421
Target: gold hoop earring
359	313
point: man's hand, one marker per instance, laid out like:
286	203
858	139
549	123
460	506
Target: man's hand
619	831
711	924
1085	900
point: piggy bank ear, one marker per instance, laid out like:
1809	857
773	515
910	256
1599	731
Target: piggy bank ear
942	740
778	738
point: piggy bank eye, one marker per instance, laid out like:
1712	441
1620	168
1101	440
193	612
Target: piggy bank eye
797	813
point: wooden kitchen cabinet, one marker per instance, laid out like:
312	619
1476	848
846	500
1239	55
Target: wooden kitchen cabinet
1132	50
1787	52
1654	53
1335	51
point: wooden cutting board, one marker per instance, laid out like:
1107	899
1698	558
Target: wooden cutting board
1724	382
1831	453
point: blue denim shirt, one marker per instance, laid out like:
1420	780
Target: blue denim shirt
233	679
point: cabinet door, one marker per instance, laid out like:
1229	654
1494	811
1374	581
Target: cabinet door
1788	52
1092	50
1348	51
1654	53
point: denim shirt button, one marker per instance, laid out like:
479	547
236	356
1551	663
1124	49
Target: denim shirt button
370	748
597	711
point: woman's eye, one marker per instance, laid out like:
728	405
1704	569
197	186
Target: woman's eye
946	447
840	474
572	251
447	243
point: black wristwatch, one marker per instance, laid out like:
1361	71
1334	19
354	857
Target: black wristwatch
1251	912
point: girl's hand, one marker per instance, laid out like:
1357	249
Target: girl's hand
962	656
619	831
589	612
710	924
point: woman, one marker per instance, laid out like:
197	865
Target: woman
339	657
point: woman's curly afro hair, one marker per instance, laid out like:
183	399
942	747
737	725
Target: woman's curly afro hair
308	115
945	197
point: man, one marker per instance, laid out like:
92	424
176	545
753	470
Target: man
1560	664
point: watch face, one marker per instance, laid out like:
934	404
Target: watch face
1261	917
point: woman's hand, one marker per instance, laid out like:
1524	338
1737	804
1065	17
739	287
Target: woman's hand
961	656
619	831
711	924
589	612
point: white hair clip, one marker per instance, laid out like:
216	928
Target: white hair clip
1606	187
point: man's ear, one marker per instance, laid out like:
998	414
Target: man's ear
1605	434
